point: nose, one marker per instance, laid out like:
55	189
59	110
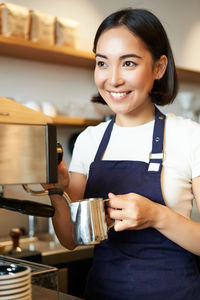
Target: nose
116	78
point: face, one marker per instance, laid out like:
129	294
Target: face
124	72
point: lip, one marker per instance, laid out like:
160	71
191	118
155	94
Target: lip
118	95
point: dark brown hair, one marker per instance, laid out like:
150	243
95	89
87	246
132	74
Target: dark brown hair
149	29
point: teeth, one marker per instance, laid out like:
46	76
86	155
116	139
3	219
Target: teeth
118	95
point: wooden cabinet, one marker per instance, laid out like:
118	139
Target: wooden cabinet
14	47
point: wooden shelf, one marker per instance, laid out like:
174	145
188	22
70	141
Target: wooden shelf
15	47
18	48
186	75
74	122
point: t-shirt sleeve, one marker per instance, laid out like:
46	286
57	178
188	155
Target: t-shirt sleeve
195	151
85	148
79	159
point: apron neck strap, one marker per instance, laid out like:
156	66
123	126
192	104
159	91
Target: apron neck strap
156	156
157	144
158	133
105	140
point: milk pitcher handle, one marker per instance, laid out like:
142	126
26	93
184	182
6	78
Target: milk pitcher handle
113	221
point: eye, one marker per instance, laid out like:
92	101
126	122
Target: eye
101	64
129	63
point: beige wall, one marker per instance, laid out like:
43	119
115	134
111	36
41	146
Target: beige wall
27	80
35	81
179	17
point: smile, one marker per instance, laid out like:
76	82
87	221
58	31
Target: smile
119	95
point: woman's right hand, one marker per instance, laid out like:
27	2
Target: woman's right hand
62	217
63	178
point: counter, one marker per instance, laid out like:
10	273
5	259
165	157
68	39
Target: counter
52	253
40	293
72	265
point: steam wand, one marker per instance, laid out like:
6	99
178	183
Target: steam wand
48	192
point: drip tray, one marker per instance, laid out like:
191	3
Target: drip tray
41	275
26	254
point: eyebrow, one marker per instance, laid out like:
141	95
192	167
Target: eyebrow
121	57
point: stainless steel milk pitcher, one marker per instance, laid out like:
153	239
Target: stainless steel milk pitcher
88	217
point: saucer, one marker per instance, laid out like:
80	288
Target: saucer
8	271
19	290
15	280
15	285
18	296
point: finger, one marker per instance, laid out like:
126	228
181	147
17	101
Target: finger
111	195
62	171
62	163
115	203
121	225
62	168
118	225
115	214
123	196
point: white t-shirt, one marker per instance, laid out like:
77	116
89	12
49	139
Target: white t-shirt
181	160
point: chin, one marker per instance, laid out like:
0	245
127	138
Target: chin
121	110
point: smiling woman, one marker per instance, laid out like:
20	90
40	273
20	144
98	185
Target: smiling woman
125	73
165	90
137	161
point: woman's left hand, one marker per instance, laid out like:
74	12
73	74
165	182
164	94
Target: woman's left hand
132	211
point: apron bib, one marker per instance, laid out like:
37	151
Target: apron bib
137	264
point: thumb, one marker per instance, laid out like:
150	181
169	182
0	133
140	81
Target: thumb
111	195
62	164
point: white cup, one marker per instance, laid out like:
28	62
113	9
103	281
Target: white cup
48	109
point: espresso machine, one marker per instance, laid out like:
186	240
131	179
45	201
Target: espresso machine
29	154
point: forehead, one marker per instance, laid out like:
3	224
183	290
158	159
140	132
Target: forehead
120	39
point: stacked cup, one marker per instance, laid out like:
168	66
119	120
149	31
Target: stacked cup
15	282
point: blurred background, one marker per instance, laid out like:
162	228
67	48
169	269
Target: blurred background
61	89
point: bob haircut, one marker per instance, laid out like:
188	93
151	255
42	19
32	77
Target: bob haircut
149	29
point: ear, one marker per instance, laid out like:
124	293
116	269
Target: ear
160	67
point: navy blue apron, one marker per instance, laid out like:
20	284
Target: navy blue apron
137	264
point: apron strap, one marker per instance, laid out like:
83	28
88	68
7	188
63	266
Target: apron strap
104	140
156	156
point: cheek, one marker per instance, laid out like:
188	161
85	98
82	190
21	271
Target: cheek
99	79
143	79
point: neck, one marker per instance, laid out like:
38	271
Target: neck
137	117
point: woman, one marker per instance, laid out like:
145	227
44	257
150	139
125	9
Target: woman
146	163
